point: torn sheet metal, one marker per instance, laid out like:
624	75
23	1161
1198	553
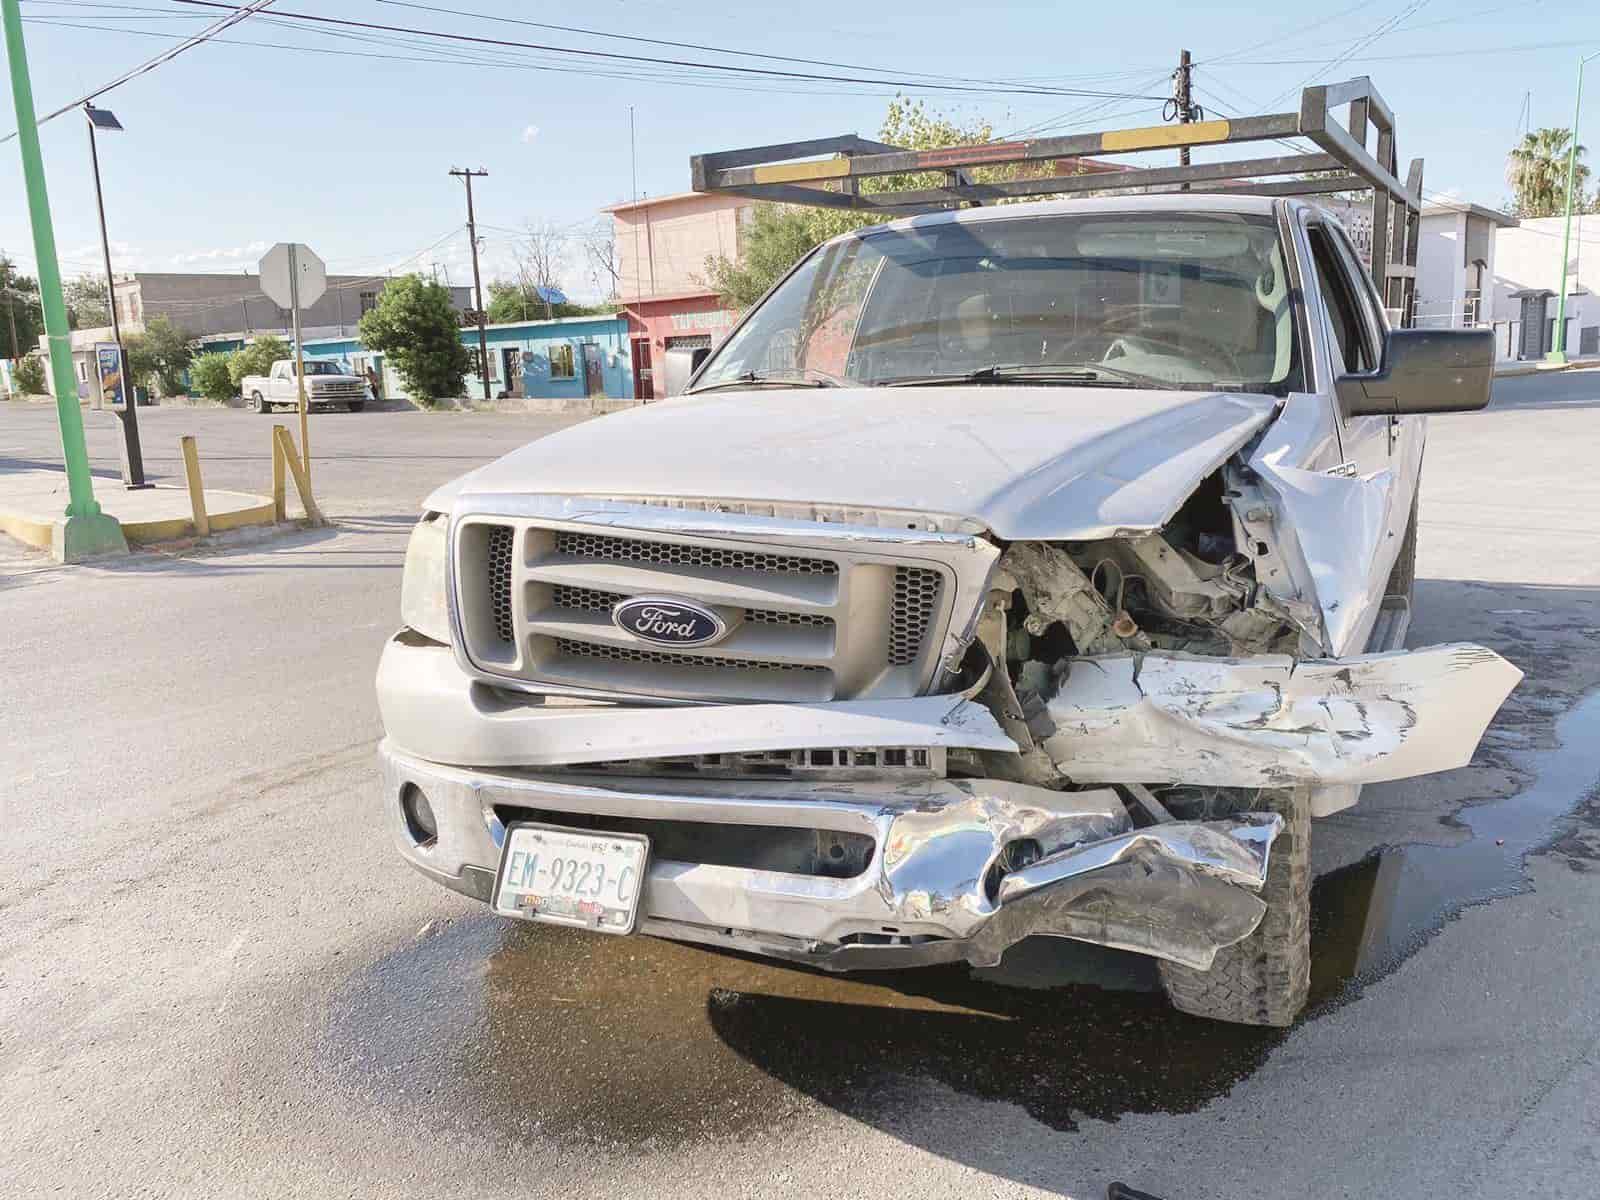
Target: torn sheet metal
1179	892
1271	721
1338	534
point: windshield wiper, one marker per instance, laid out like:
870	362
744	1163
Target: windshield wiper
1077	372
806	377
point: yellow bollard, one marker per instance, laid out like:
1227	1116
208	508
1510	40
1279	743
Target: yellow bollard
286	453
197	490
280	510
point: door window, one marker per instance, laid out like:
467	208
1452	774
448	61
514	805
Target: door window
1354	348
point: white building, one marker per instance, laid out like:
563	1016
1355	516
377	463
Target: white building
1478	267
1527	273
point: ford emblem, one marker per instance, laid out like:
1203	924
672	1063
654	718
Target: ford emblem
668	622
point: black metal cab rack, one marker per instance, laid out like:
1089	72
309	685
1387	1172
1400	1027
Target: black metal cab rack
794	172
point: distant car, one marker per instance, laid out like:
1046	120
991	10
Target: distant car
326	386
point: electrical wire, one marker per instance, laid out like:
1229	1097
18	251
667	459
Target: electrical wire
760	72
636	38
189	43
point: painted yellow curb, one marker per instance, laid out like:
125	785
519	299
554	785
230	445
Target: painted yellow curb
177	528
38	534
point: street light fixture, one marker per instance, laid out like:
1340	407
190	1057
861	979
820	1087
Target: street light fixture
132	455
1558	343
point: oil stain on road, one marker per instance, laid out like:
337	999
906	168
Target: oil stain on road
534	1031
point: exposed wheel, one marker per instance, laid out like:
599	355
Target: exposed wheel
1403	575
259	403
356	405
1264	979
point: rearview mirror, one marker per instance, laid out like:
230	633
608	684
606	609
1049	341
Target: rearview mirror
1423	371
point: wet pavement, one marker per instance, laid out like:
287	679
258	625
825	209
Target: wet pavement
640	1042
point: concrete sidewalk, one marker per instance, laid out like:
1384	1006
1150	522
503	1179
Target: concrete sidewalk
33	500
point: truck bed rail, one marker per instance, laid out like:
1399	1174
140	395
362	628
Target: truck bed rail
797	172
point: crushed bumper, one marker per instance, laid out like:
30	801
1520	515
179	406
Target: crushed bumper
937	887
957	869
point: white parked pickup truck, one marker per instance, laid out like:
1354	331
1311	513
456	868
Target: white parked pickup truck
326	387
1039	569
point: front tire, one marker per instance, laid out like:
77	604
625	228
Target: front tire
259	403
1263	980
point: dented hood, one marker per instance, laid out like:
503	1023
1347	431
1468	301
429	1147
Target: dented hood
1059	463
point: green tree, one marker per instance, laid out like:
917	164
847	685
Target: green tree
158	356
87	306
419	333
29	377
256	358
1536	169
512	302
209	375
778	236
19	310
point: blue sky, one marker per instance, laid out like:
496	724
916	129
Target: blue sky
232	147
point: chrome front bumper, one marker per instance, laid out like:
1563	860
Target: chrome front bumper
946	880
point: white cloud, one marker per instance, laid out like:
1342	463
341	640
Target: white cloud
248	253
529	133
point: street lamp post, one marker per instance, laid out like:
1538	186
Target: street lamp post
132	454
1558	342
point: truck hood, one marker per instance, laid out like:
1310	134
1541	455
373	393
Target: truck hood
1027	463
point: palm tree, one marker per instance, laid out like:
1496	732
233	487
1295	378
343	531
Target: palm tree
1536	169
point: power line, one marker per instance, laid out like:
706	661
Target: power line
465	58
762	72
189	43
636	38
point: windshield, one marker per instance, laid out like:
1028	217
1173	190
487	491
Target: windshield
1190	300
321	368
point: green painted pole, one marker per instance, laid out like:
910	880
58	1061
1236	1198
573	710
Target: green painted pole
1558	342
80	488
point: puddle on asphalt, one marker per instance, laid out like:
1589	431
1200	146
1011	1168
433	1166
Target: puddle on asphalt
527	1030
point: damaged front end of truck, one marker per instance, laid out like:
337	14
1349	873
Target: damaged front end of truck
1115	733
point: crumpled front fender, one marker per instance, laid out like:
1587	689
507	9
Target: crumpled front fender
1270	721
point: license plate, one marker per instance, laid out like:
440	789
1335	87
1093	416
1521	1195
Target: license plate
572	877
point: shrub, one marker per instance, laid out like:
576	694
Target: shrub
256	358
415	327
210	376
29	377
159	355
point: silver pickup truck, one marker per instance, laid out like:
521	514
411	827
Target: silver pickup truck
1038	569
326	386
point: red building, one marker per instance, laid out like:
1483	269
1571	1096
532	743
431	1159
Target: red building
662	247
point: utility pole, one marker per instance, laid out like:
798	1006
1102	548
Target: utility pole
11	318
1183	102
86	530
466	175
132	453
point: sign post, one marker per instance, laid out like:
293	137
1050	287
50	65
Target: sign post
292	275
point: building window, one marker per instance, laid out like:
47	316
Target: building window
562	363
369	301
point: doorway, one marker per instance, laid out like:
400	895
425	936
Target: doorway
594	377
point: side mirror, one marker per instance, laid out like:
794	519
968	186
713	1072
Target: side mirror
679	365
1424	371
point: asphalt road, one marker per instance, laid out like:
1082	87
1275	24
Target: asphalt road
216	978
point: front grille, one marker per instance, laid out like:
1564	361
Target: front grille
916	592
615	549
630	654
501	538
858	621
